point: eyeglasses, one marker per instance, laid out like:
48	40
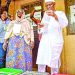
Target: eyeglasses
20	11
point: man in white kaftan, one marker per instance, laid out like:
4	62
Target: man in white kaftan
51	43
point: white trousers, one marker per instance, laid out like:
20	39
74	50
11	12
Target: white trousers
54	71
42	68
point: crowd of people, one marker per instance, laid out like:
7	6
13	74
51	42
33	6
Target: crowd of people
17	39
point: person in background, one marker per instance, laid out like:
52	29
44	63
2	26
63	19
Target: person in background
11	17
20	39
51	43
4	21
36	21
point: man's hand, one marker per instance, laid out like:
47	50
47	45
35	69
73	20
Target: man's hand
40	25
51	13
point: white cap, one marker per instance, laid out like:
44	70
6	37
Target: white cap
49	1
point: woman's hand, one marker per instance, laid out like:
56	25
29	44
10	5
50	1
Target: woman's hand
32	44
5	46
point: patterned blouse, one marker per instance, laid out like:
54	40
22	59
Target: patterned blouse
26	30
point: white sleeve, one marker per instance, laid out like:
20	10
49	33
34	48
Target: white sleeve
45	19
45	23
62	19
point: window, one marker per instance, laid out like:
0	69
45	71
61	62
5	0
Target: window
70	11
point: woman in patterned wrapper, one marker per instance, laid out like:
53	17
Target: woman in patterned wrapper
20	39
36	21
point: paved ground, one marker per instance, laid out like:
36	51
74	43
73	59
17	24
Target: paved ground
34	73
38	73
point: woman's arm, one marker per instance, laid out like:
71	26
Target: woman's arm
7	36
9	30
36	21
